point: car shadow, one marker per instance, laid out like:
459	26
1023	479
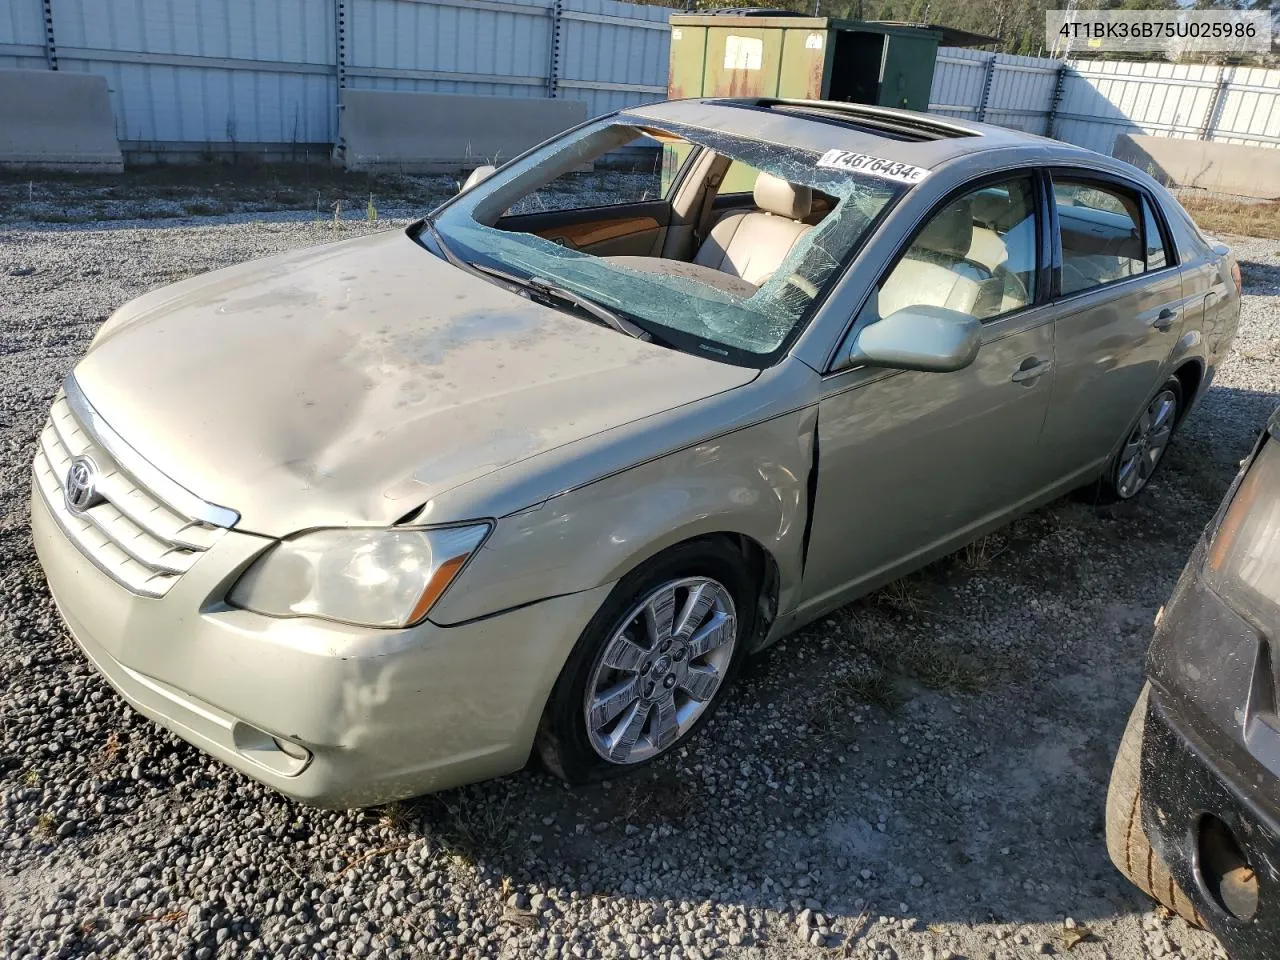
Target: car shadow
1260	279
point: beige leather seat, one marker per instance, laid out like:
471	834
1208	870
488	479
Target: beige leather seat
987	248
753	245
936	270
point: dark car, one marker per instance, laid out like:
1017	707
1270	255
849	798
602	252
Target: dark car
1193	812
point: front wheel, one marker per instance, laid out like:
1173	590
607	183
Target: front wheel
653	663
1145	446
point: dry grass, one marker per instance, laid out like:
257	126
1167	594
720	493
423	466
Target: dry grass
472	826
1219	215
871	686
396	817
979	554
901	595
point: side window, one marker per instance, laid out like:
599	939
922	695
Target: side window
626	175
1156	257
1101	236
976	255
739	178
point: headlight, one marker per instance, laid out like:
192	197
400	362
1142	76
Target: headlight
1244	557
375	578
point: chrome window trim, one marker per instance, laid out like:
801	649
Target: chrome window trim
162	487
1114	284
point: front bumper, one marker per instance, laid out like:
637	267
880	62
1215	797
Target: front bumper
1211	749
325	713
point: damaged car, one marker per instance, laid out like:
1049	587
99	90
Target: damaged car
1193	809
532	477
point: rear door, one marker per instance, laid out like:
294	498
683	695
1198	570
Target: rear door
1120	309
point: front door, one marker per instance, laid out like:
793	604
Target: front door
911	464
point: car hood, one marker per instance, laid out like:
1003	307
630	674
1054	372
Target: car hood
352	383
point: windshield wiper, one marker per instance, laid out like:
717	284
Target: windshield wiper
545	290
443	247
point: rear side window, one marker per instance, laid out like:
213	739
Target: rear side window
1101	231
1156	256
739	178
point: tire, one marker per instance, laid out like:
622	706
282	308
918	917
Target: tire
1127	843
575	748
1117	484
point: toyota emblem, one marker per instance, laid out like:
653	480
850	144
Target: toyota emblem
81	486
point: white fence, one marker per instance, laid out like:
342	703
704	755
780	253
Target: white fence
1090	102
220	73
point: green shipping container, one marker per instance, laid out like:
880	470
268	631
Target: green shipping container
750	54
809	58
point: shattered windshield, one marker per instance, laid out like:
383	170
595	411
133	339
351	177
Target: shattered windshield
767	257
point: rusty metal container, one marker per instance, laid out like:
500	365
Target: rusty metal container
812	58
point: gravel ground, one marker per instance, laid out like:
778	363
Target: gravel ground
921	776
222	193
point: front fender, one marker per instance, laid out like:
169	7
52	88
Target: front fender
753	482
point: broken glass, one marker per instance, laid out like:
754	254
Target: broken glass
736	315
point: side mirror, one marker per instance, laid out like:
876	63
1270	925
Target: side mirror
478	175
919	338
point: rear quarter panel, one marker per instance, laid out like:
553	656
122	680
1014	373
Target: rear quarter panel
1213	299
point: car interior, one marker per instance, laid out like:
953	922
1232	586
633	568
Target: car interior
976	256
1101	237
725	225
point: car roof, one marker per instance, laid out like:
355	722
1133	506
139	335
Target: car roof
903	136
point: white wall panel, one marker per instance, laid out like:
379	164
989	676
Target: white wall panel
1104	98
266	71
22	35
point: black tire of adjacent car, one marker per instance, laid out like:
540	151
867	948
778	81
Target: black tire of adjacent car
1127	843
1107	490
563	744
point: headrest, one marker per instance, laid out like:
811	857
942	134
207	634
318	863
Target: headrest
950	233
991	208
773	195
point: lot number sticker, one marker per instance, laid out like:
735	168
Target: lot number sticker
873	166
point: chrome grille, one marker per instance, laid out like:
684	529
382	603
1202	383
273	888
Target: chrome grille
132	536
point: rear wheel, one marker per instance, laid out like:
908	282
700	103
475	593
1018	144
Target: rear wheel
1127	843
1144	448
652	665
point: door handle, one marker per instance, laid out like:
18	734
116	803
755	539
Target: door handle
1031	369
1164	320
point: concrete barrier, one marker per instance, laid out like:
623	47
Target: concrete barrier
1219	167
443	132
57	121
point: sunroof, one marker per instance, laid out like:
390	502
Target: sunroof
853	116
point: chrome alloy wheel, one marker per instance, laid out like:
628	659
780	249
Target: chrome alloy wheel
661	669
1146	444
